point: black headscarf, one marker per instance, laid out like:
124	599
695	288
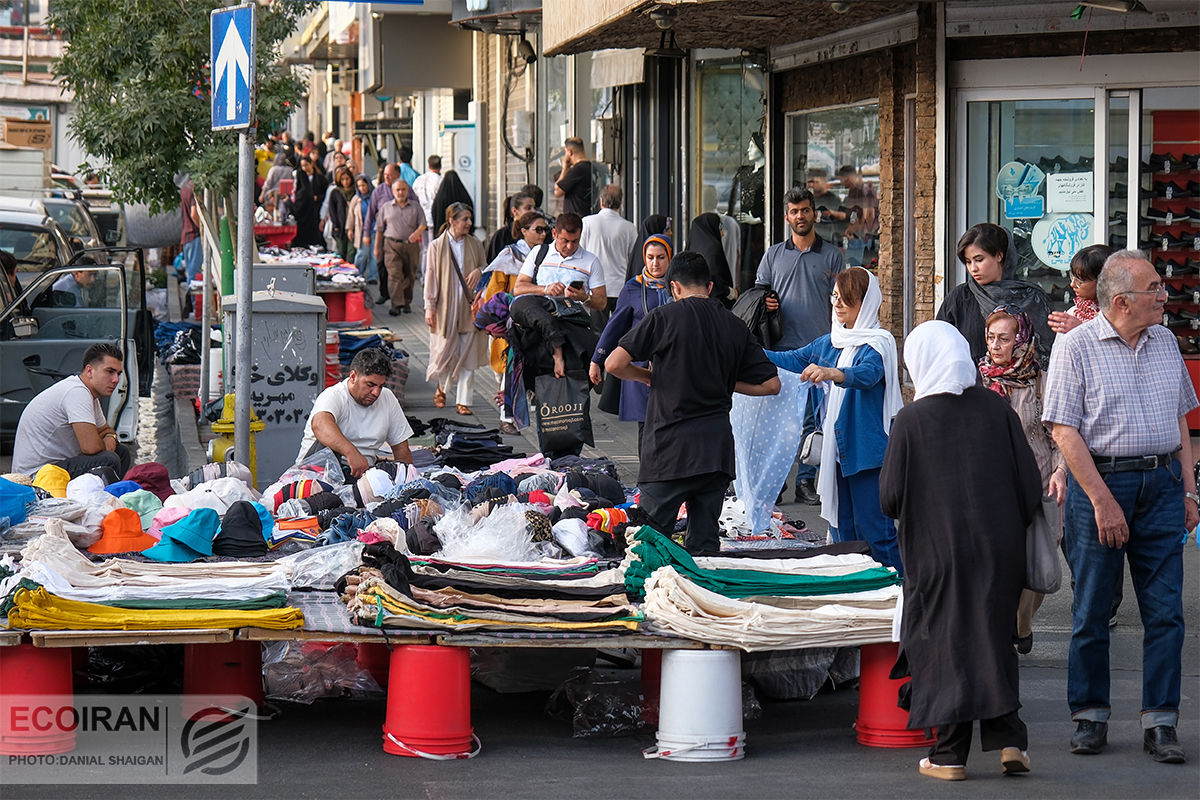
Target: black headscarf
1027	297
704	238
449	192
655	223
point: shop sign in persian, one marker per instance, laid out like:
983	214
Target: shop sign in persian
1069	191
1058	237
1025	207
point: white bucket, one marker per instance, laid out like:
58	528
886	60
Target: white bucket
700	706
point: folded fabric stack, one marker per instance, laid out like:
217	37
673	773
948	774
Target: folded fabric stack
466	446
58	588
820	600
437	594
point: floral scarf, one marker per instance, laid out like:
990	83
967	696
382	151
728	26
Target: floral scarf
1086	309
1023	370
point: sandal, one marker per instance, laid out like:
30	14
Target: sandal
439	398
463	410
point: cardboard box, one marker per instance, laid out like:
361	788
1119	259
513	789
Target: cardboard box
29	133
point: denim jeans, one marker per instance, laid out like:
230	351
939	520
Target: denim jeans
364	259
1153	505
860	517
193	258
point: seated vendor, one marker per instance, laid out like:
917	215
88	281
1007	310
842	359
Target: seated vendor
356	418
64	425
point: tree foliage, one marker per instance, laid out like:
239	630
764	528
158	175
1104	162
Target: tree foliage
142	81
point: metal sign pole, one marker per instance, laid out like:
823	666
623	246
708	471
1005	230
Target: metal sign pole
242	288
234	36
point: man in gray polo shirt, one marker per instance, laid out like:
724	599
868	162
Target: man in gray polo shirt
1117	396
801	269
398	232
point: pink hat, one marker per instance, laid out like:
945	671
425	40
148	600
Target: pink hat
168	516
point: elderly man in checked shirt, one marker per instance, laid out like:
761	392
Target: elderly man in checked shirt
1116	401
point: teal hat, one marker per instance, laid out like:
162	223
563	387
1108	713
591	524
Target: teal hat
194	534
145	503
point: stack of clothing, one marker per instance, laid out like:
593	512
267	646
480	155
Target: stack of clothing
817	600
577	595
468	447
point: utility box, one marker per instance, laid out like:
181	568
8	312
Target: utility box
287	362
288	278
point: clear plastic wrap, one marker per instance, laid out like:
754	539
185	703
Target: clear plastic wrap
502	535
320	567
301	672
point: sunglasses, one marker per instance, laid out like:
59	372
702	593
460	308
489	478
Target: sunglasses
539	229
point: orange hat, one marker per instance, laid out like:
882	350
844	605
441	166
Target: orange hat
121	532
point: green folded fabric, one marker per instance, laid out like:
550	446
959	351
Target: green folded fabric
655	550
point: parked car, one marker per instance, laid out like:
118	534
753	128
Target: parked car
65	208
44	331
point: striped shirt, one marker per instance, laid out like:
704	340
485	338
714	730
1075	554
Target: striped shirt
1125	401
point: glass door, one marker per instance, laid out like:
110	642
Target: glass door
1029	166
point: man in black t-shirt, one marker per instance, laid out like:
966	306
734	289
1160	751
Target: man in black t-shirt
574	184
700	354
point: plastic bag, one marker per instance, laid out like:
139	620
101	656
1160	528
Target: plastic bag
320	567
324	463
597	706
790	674
302	672
503	535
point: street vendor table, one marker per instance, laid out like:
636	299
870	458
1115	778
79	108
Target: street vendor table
275	235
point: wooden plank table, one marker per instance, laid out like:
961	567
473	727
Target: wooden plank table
109	638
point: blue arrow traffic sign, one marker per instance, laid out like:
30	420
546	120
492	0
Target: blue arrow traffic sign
234	41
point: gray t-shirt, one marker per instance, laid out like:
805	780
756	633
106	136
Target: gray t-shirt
803	281
44	434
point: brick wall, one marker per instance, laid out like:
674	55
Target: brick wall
889	76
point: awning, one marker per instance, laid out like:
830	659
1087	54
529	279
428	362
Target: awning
618	67
571	26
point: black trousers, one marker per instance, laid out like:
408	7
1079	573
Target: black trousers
119	460
954	738
536	312
704	495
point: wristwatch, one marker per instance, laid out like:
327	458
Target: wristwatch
1195	498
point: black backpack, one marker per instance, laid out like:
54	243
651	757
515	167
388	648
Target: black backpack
751	308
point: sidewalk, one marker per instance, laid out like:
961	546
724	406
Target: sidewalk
615	439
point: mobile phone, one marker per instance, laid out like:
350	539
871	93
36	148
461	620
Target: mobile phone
576	285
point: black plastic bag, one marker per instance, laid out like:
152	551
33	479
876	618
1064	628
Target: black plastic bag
564	424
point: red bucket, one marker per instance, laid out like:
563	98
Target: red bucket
882	723
335	303
36	713
429	703
332	361
651	684
375	659
356	308
232	669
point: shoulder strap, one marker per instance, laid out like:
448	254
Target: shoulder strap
543	251
467	293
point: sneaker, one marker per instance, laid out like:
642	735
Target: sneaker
1169	190
943	772
1014	761
1157	216
1090	737
1178	295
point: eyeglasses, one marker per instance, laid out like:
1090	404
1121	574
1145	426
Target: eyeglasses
1075	280
1156	289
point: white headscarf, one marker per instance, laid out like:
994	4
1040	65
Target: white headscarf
866	332
939	359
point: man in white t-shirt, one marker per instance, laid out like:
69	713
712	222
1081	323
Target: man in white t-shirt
359	418
64	425
611	237
563	278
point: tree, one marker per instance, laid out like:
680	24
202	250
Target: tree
142	81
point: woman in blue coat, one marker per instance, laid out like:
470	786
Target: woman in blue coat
858	360
641	294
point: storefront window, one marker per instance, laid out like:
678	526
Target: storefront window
729	154
1030	169
835	153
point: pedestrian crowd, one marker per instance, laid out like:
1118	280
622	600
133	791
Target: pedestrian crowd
1012	402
